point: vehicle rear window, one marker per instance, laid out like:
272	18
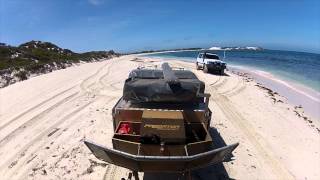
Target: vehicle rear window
211	56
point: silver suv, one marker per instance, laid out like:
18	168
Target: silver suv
210	62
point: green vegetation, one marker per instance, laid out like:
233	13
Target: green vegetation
36	57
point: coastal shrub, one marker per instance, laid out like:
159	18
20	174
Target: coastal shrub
36	57
22	75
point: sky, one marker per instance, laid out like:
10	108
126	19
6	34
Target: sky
134	25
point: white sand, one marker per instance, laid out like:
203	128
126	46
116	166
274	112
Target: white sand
43	121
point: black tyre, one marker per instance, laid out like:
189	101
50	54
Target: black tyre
205	68
197	66
221	72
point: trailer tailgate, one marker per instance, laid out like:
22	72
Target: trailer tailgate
159	163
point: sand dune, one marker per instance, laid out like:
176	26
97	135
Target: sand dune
44	120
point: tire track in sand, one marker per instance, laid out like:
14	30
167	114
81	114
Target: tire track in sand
238	88
38	139
35	107
226	106
101	79
95	91
238	120
60	137
38	117
43	133
33	120
90	87
83	85
236	92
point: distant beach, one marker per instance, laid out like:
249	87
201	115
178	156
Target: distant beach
294	75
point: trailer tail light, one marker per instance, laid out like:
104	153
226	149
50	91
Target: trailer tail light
125	128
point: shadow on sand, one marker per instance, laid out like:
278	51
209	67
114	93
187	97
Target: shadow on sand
212	172
218	74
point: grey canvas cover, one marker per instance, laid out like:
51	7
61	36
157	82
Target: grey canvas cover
151	86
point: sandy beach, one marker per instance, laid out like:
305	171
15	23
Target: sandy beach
295	94
44	120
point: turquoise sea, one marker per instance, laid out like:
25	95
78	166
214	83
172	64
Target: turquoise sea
298	67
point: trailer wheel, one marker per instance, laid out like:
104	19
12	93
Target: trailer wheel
205	69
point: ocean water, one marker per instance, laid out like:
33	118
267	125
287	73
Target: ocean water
297	67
